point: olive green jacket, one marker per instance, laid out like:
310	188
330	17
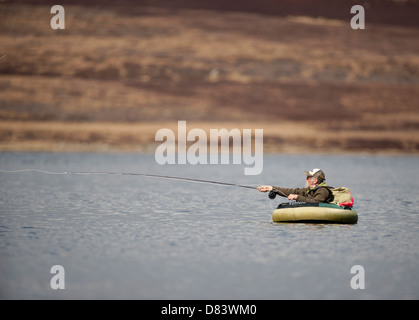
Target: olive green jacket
320	193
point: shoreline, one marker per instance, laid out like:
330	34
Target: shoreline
285	137
146	150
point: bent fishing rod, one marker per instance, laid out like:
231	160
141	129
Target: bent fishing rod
131	174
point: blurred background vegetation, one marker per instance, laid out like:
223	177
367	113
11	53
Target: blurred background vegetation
121	70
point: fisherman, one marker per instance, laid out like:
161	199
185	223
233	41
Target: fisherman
316	189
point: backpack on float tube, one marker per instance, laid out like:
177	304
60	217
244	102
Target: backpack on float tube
342	197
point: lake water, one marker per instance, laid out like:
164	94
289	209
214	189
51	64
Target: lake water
130	237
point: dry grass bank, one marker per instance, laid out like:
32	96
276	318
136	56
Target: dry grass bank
118	73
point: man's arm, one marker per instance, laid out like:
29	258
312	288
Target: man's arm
291	194
320	195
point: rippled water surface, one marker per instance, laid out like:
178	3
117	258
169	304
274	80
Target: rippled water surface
130	237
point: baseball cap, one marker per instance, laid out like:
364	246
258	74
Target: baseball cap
316	173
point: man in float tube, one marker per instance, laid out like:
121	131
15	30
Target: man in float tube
316	189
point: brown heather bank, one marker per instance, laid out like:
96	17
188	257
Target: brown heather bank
120	72
284	137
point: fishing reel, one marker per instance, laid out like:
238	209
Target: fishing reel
272	195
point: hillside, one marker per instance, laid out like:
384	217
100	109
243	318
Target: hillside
119	72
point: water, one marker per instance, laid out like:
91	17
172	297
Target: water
127	237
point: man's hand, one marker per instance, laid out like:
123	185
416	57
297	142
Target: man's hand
264	188
293	196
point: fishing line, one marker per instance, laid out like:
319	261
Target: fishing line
28	170
272	207
132	174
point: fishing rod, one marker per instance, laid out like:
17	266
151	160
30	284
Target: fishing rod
131	174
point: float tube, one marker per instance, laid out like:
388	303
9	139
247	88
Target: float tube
314	213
